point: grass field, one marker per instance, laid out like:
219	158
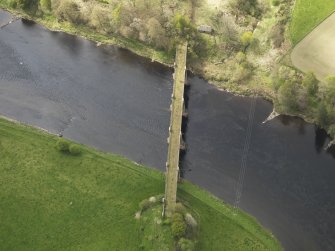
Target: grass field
56	201
307	15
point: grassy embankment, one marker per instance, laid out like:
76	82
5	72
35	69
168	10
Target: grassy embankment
55	201
307	15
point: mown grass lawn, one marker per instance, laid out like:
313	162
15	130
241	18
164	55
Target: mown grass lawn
307	15
56	201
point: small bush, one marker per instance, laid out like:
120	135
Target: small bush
166	222
62	145
190	220
75	149
180	208
186	245
178	226
144	205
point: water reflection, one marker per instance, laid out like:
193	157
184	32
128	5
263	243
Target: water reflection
27	23
72	44
320	139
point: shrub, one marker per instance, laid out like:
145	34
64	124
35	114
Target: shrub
180	208
166	222
190	221
178	226
186	245
75	149
144	205
62	145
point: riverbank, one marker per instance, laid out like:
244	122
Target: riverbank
51	23
61	195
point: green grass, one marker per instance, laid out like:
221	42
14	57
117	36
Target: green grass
307	15
55	201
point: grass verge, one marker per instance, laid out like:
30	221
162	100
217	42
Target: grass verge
51	200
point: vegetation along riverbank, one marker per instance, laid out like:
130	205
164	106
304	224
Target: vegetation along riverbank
240	46
58	195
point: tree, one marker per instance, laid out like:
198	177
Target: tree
45	5
311	83
330	90
302	98
287	96
332	131
28	5
69	10
323	116
100	19
245	7
247	38
156	33
183	25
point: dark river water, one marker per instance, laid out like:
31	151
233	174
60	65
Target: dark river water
118	102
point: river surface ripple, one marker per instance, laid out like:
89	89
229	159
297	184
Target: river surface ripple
117	102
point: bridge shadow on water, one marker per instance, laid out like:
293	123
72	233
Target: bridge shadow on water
184	127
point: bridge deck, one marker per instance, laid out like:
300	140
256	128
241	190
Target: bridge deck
177	107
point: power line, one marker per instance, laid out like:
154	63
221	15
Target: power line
246	147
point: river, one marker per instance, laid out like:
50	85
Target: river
118	102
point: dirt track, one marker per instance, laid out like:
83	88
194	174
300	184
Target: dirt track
316	52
